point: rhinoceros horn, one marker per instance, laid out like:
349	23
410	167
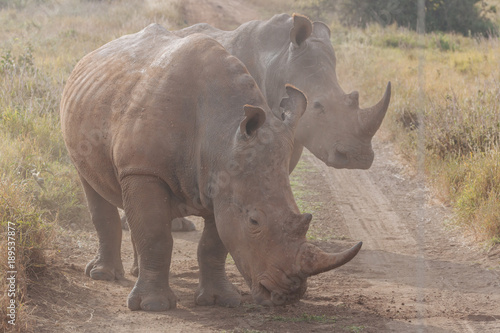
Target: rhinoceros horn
371	118
312	260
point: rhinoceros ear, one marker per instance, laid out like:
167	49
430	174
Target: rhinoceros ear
254	118
321	29
294	106
302	29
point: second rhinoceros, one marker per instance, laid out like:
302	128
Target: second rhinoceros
165	127
292	49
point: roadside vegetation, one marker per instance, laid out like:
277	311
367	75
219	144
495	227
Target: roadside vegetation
40	43
445	111
444	114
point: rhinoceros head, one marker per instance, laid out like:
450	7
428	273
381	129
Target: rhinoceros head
257	218
334	127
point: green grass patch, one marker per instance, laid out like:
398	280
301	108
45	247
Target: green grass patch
305	197
303	194
354	328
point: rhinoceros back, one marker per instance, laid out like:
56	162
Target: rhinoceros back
131	107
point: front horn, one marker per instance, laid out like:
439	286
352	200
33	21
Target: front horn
371	118
313	260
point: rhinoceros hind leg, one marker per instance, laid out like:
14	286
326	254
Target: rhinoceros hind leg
183	225
107	264
214	287
124	222
134	270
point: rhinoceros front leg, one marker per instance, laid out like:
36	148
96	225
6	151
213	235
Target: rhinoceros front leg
147	205
107	264
214	287
178	224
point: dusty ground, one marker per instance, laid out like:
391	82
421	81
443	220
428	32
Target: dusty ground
413	274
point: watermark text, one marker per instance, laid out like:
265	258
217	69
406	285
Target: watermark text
11	272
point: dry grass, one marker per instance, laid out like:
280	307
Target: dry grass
40	42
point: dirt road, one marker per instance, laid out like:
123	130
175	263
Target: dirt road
413	269
413	273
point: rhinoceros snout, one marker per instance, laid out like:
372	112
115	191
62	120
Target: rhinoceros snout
266	296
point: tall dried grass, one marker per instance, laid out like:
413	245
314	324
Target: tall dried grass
445	110
40	42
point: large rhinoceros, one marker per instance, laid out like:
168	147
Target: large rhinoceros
292	49
164	127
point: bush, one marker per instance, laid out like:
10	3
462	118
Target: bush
466	17
32	234
474	183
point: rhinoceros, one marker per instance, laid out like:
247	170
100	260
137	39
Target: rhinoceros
163	127
292	49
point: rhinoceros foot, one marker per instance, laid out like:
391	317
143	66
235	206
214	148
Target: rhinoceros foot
152	300
99	270
222	294
182	224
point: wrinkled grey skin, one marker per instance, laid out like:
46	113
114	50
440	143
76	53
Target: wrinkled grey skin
165	127
294	50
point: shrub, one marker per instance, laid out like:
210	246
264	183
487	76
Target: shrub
474	183
32	235
467	17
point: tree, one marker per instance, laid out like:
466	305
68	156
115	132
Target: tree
468	17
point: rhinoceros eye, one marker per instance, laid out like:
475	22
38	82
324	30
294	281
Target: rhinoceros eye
254	222
319	107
